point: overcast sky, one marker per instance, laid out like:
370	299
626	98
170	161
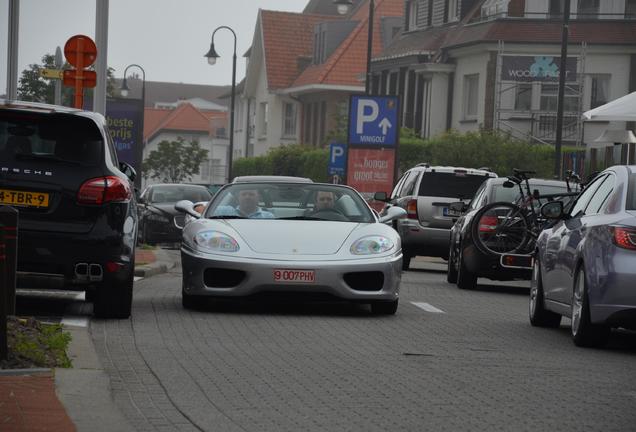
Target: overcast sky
168	38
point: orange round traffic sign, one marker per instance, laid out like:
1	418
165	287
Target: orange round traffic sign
80	51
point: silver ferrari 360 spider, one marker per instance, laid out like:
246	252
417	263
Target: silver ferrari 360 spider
291	237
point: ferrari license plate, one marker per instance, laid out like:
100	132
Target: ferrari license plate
286	275
24	198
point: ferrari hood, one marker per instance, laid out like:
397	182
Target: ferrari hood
293	237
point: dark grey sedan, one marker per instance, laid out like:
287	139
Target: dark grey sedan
585	266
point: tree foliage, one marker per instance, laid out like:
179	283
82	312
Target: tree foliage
32	87
174	161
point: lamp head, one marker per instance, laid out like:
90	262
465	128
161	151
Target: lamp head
343	6
212	55
123	90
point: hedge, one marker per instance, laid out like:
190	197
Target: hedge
497	151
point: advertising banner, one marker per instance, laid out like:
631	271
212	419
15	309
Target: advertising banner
371	170
536	68
124	123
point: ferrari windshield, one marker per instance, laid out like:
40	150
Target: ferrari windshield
289	201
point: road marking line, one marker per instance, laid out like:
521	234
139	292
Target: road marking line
138	278
427	307
75	321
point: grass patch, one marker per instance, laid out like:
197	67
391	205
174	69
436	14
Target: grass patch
34	344
145	246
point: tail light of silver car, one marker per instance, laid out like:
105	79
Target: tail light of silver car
102	190
411	209
624	237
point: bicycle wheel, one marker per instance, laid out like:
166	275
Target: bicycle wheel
499	228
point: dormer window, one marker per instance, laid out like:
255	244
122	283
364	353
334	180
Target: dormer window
494	8
452	12
411	15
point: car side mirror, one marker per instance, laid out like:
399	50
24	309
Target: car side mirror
392	213
187	207
381	196
552	210
127	169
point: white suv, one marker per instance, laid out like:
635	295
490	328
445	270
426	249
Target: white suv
425	192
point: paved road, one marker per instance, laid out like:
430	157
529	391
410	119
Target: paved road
456	361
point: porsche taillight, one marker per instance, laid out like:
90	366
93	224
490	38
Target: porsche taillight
624	237
411	209
102	190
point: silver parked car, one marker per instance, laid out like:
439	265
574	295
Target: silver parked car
300	237
425	192
585	265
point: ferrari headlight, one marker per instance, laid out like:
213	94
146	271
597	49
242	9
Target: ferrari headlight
371	245
216	241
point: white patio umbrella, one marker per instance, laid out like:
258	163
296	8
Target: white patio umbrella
621	109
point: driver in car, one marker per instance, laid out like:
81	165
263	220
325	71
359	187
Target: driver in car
325	200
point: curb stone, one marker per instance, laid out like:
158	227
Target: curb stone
161	265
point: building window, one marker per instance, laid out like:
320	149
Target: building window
556	8
289	119
218	170
204	169
429	18
471	93
263	114
600	90
523	98
411	15
589	8
494	8
550	97
307	125
452	11
630	9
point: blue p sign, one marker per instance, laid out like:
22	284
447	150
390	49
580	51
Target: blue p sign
337	159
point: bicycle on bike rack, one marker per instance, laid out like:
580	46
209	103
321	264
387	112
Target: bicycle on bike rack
513	227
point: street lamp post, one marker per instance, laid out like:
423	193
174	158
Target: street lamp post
124	90
561	94
343	8
212	56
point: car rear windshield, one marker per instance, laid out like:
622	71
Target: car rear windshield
450	185
512	194
54	138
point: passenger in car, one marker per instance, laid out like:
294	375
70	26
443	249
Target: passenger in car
247	207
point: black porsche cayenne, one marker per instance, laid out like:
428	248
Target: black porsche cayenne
77	212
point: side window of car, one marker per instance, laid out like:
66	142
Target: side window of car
585	197
478	198
398	186
600	196
409	184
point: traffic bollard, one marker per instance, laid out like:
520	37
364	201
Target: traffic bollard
9	222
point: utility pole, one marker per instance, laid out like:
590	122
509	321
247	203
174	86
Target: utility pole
12	50
561	96
101	65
